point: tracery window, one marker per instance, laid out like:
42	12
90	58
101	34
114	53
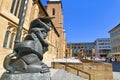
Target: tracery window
6	39
9	37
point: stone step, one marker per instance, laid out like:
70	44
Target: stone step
60	74
1	72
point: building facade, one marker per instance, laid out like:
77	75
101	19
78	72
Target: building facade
115	41
10	11
54	9
85	48
103	46
68	52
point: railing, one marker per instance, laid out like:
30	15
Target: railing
68	66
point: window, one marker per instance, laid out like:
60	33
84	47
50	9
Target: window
78	50
12	7
119	31
6	39
21	7
53	11
16	7
100	47
11	40
9	37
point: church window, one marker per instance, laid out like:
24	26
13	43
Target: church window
6	39
53	11
9	37
11	40
12	7
16	7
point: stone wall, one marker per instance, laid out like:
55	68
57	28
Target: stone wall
91	71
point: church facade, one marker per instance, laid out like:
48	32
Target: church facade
10	13
54	9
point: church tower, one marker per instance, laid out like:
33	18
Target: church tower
54	9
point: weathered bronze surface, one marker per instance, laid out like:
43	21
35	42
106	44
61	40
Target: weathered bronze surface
28	54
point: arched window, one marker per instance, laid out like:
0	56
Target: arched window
53	11
6	39
11	40
9	37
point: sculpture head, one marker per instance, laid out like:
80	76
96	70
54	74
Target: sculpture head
41	25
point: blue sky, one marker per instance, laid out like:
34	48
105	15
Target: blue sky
86	20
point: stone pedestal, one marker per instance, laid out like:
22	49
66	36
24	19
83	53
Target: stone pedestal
25	76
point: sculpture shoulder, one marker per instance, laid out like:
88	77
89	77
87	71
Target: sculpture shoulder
31	36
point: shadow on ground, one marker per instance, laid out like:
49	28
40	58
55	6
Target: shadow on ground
116	66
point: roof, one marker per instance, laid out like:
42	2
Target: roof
114	28
102	38
82	43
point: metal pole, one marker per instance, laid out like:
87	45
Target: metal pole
21	21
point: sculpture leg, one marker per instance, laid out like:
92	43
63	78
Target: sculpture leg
34	64
29	64
37	67
7	60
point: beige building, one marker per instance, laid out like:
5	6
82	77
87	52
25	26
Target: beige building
54	9
68	52
115	41
10	11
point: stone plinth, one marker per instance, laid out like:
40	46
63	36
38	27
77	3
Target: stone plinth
25	76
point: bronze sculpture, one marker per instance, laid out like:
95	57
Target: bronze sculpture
27	55
25	63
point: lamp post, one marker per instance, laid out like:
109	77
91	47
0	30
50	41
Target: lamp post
93	52
21	21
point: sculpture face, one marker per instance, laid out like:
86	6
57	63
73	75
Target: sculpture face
44	33
30	52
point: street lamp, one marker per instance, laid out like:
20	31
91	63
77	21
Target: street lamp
93	52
